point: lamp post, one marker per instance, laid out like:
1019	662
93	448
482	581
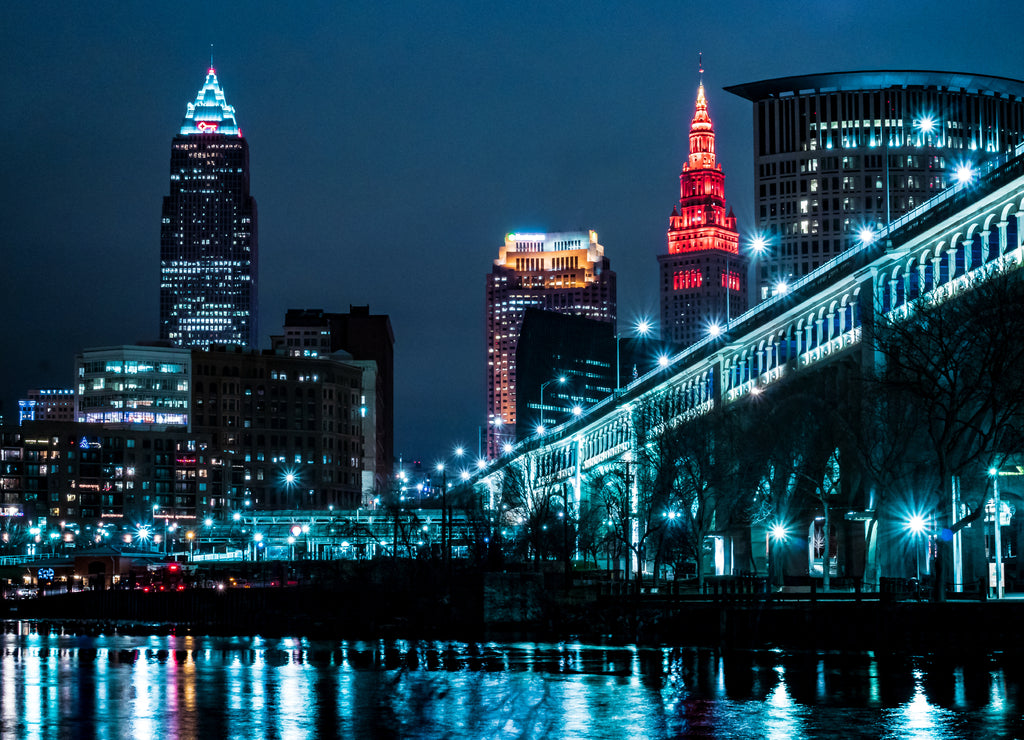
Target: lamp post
916	526
777	534
997	544
561	381
758	246
642	329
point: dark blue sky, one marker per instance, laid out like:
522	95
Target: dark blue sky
392	147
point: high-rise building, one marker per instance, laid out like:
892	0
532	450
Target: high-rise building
208	265
838	154
564	362
565	272
703	276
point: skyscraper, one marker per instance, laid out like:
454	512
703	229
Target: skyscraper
839	154
565	272
703	276
208	266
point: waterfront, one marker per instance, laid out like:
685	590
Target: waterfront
174	686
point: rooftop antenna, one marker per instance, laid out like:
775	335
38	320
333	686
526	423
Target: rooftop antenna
700	67
211	56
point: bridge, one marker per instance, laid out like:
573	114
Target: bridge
969	232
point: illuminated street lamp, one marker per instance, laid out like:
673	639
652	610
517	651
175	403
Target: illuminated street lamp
190	536
964	173
561	381
757	247
916	525
778	535
997	544
642	328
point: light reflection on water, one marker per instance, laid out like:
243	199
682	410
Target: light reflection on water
117	686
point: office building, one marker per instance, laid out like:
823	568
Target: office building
702	278
366	338
564	272
285	432
208	244
133	384
839	155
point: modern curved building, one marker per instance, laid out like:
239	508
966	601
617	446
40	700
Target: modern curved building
840	152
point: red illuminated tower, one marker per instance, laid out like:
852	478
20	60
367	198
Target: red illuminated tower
703	276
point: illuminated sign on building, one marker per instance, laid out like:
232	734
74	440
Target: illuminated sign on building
207	127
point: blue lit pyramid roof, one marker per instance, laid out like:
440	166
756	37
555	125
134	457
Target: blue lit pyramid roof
210	114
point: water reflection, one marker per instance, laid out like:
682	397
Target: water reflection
111	686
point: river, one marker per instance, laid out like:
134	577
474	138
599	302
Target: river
62	685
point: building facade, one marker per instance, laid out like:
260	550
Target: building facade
366	337
75	479
838	154
133	384
564	272
286	432
702	278
208	243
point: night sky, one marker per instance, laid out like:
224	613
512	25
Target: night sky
392	146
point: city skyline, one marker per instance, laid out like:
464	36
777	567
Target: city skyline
495	146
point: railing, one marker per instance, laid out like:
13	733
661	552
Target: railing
17	559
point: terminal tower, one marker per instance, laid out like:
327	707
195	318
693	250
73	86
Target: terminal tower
703	276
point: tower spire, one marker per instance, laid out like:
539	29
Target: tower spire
700	67
211	56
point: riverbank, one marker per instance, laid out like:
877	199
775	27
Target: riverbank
427	603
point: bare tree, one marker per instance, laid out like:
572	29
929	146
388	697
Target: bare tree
958	362
528	508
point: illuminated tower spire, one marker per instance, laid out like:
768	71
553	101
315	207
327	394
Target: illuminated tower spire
702	276
210	114
702	132
208	244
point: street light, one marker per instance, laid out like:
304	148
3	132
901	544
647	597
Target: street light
642	328
757	247
561	381
777	537
997	544
916	525
964	173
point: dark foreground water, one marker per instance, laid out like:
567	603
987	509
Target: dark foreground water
65	686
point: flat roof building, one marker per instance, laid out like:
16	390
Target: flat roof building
133	384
